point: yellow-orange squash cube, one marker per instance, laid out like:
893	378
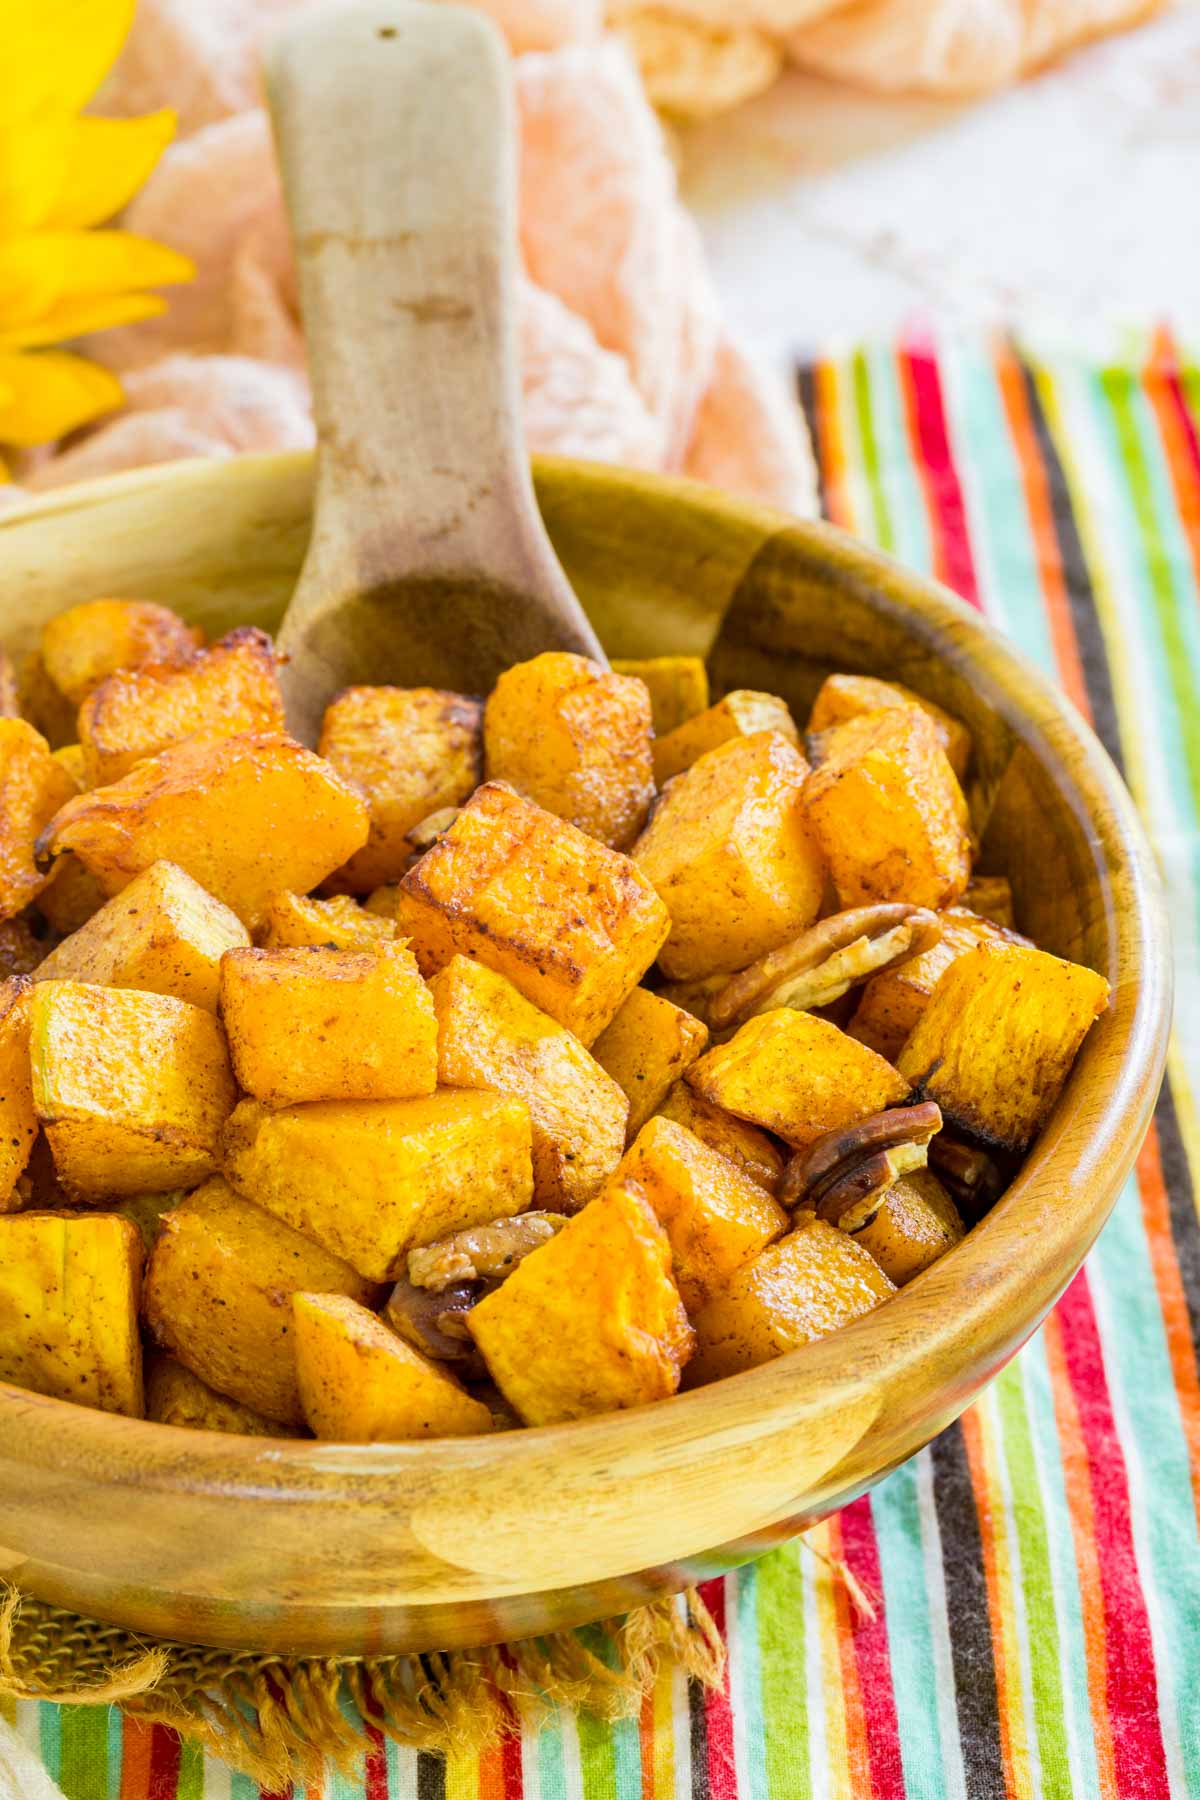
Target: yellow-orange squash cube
892	1001
491	1037
174	1396
218	1295
372	1179
845	697
889	813
590	1322
915	1225
678	687
796	1075
412	752
33	786
293	920
71	896
361	1384
245	816
131	1089
749	1148
645	1049
162	935
740	714
69	1286
808	1284
18	1120
322	1024
716	1218
996	1042
83	645
731	857
573	924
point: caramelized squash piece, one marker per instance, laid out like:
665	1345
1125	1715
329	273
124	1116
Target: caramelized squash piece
892	1001
592	1321
292	921
18	1120
678	687
576	738
491	1037
916	1224
749	1148
361	1384
731	857
646	1049
740	714
72	895
997	1040
33	786
174	1396
845	697
83	645
69	1287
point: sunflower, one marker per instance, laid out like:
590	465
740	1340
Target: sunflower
61	176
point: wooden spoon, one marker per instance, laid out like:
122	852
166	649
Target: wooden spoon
429	562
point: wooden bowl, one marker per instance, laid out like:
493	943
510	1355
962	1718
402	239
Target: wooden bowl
257	1543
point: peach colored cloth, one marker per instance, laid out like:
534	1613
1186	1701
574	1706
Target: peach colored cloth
625	355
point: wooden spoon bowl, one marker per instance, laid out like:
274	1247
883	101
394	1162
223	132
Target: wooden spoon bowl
258	1543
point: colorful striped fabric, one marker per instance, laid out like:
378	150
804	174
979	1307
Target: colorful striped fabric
1037	1570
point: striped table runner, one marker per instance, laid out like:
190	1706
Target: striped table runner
1037	1570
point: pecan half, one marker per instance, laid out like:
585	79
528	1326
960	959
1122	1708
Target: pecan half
974	1177
434	1323
845	1174
826	961
482	1252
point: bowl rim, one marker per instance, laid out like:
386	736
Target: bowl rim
984	1296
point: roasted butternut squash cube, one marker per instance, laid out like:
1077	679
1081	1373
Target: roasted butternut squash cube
678	687
997	1040
645	1049
592	1321
131	1089
18	1120
731	857
174	1396
716	1218
576	738
573	924
245	816
162	935
412	752
889	813
916	1224
71	758
69	1287
322	1024
83	645
491	1037
743	1144
845	697
743	713
361	1384
228	690
292	921
71	896
892	1001
796	1075
43	704
33	786
218	1295
808	1284
372	1179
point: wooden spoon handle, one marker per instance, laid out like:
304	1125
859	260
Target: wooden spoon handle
395	133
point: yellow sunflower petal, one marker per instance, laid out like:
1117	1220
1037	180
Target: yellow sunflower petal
46	268
72	318
50	393
33	167
107	162
57	52
32	272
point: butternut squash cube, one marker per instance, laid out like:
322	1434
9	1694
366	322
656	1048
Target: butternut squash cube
796	1075
174	1396
83	645
33	786
18	1120
678	687
412	752
645	1049
997	1040
592	1321
131	1089
742	713
292	921
808	1284
245	816
916	1224
322	1024
575	738
69	1287
228	690
845	697
372	1179
491	1037
731	857
892	1001
743	1144
716	1218
72	895
573	924
219	1292
889	813
361	1384
162	935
